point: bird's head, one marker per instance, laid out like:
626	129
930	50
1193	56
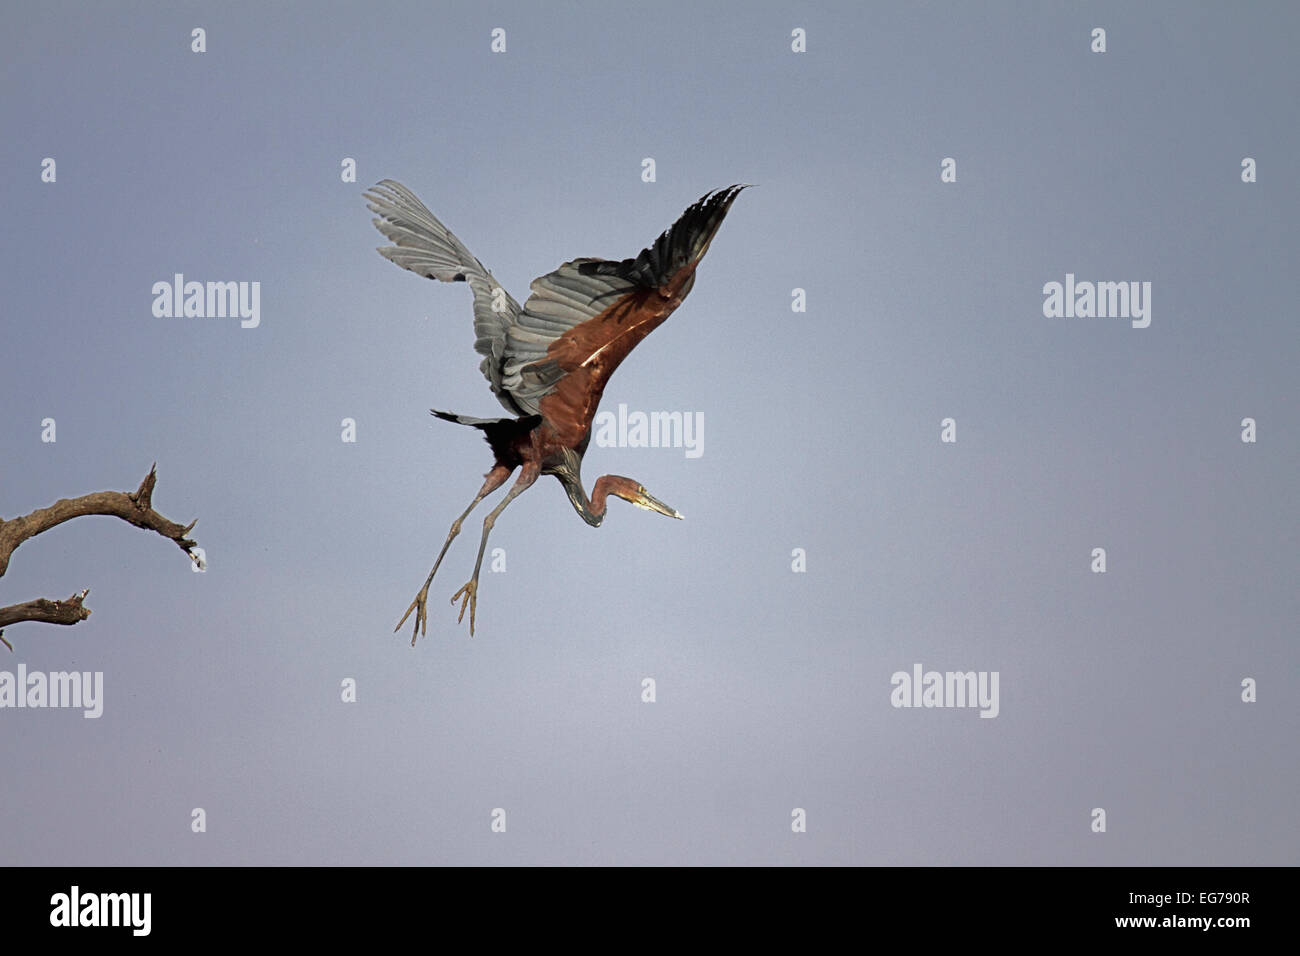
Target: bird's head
631	491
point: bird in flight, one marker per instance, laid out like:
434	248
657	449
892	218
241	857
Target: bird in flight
549	361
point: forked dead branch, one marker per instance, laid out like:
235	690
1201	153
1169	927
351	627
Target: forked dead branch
134	507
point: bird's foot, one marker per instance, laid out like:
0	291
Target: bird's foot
470	600
421	609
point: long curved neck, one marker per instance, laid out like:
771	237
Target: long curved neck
591	509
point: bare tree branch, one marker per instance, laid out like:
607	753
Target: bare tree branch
135	507
45	611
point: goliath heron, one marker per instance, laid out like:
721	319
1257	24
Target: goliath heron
548	362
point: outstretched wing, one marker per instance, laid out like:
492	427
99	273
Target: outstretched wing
583	319
428	248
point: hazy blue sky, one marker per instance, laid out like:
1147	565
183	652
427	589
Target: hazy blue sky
925	301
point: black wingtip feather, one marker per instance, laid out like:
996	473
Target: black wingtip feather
681	243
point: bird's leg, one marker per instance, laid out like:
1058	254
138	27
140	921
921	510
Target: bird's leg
469	593
495	479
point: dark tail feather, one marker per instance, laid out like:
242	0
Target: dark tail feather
483	423
500	433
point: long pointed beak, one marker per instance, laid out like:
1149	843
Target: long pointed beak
650	503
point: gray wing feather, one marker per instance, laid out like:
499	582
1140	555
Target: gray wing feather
426	247
514	341
567	297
